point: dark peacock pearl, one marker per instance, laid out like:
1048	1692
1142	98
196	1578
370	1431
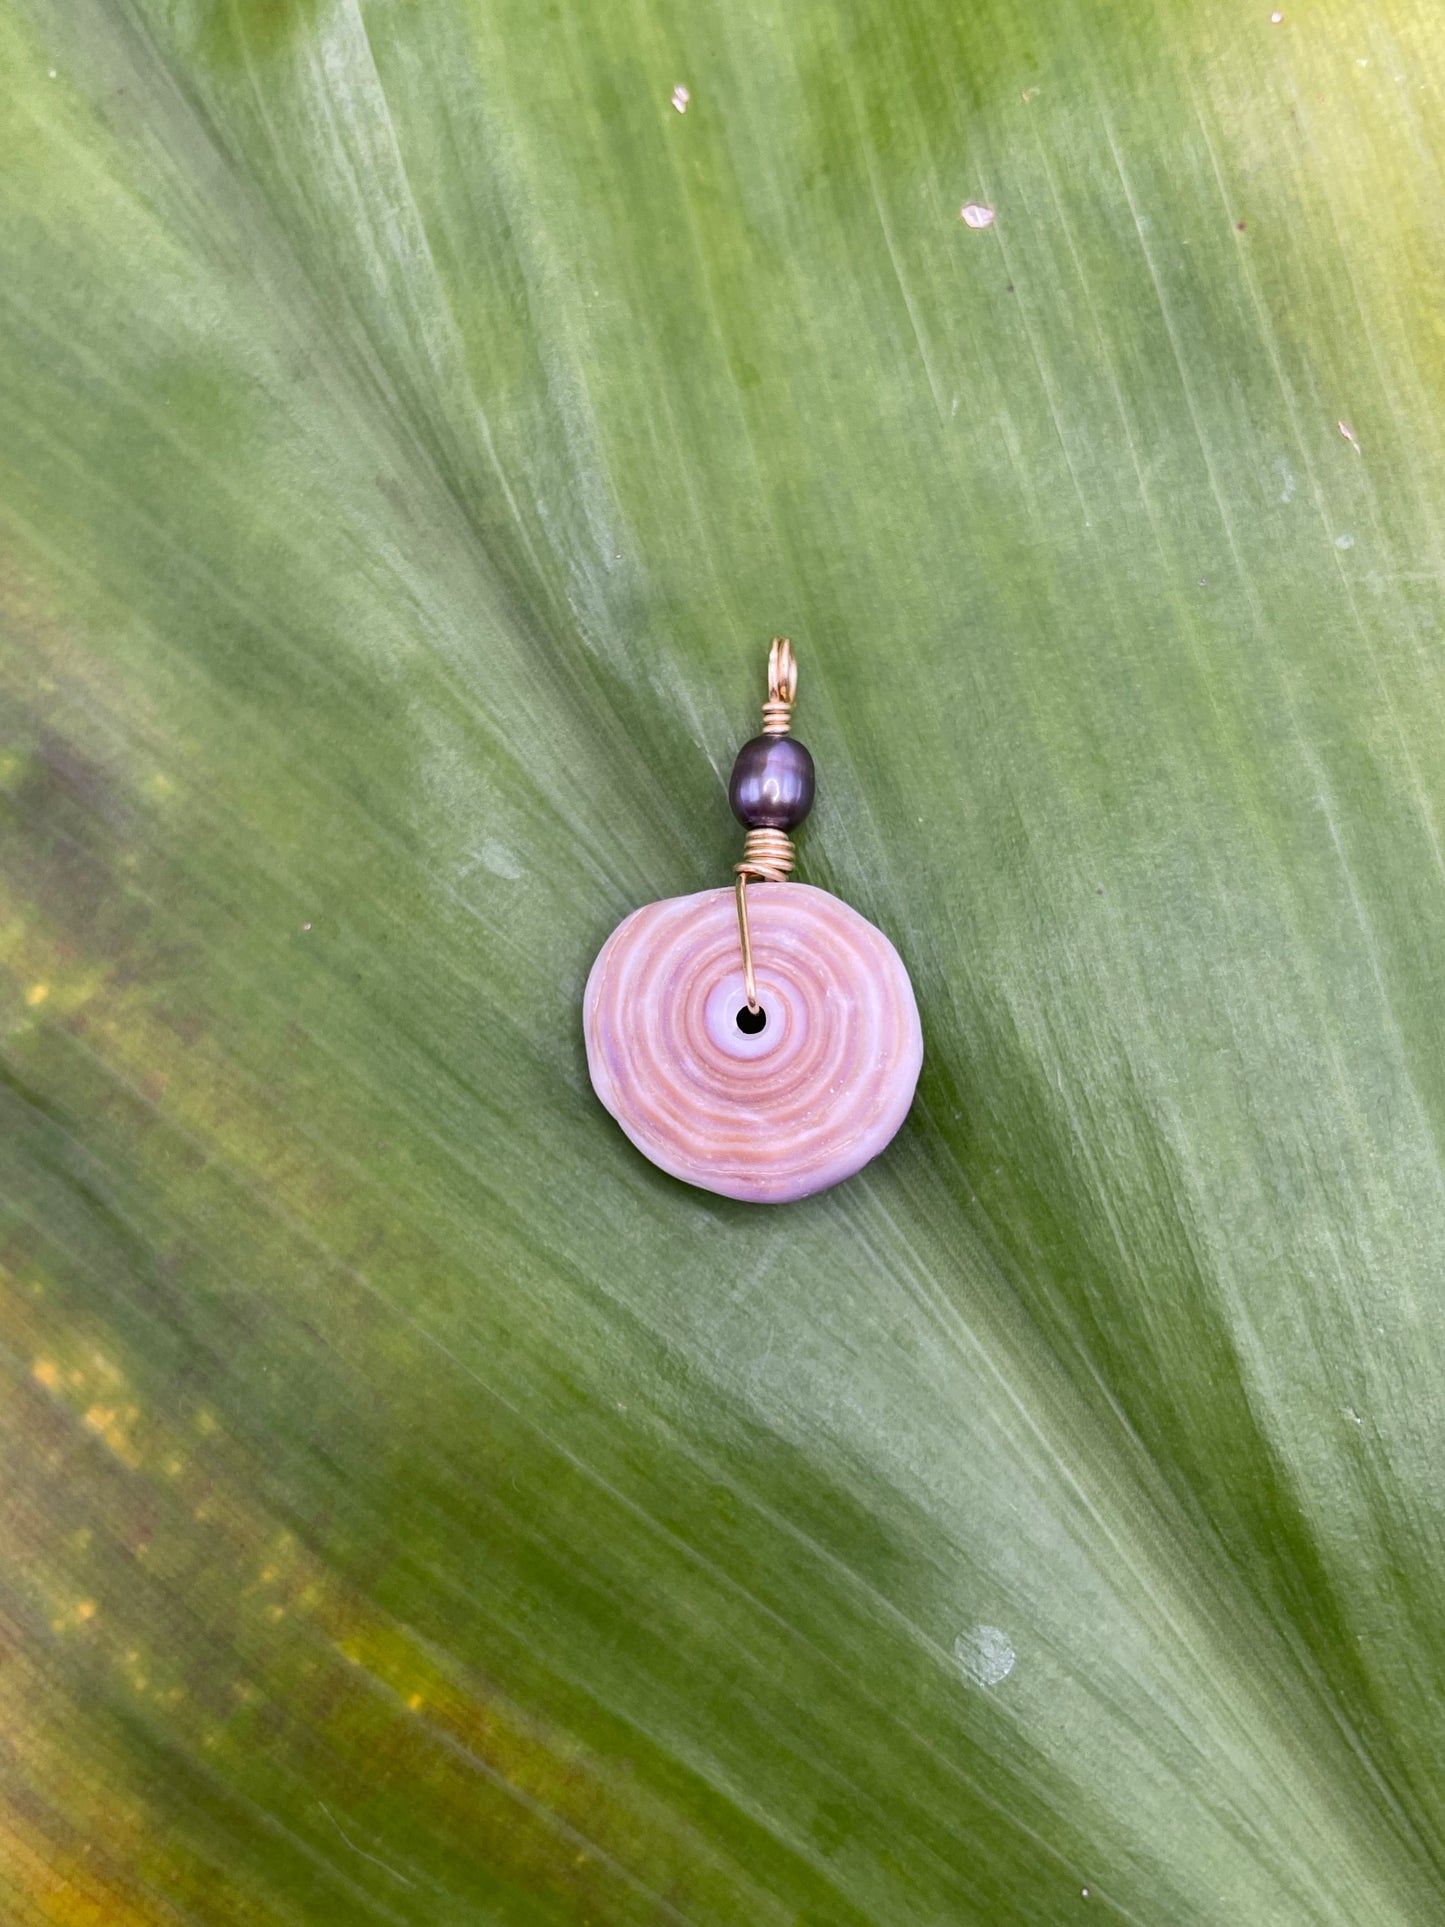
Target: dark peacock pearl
772	783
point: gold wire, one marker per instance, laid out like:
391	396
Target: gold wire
745	938
782	671
767	854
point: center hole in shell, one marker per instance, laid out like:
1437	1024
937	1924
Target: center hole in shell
750	1022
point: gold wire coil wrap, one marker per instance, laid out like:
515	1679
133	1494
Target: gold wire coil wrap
767	854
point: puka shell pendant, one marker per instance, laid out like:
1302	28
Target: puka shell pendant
767	1114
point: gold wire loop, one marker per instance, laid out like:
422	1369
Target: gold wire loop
767	854
782	688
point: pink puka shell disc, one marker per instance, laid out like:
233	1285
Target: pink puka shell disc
770	1117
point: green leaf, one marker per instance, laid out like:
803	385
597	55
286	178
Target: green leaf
416	1508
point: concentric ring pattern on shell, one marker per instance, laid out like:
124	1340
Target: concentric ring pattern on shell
768	1116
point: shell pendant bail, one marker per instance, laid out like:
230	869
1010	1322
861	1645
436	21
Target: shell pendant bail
760	1041
771	792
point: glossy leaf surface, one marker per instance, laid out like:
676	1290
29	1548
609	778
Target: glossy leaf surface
418	416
